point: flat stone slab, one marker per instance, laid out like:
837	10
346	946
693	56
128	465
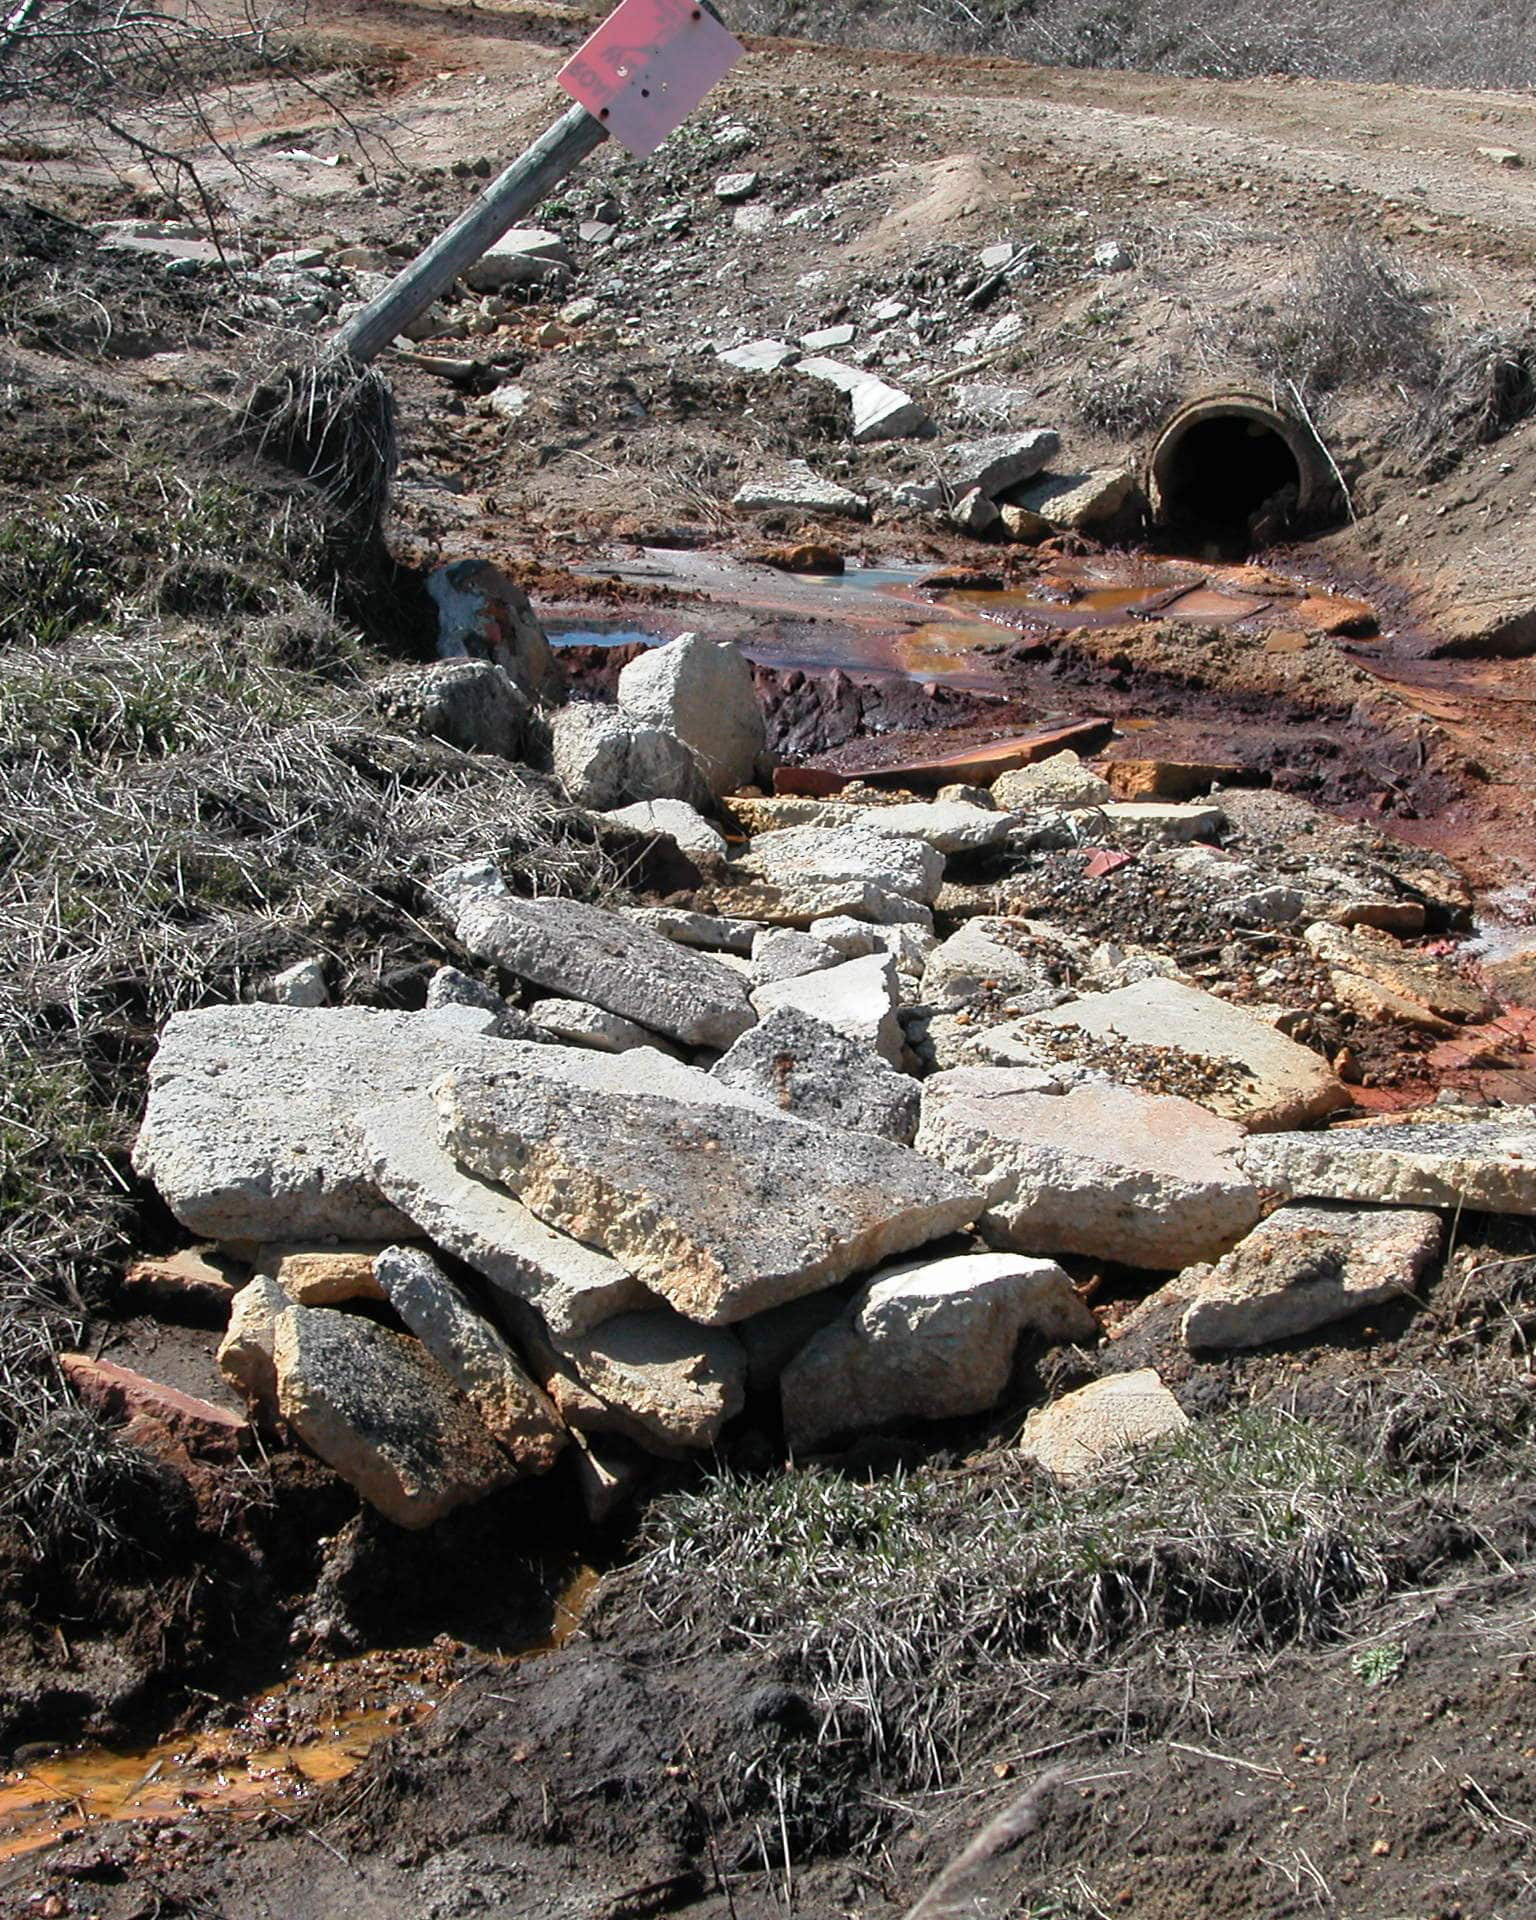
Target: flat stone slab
1487	1165
931	1340
615	963
248	1133
572	1287
1374	976
1099	1170
857	998
724	1212
579	1025
120	1394
999	460
795	1062
1305	1267
822	856
711	932
1008	967
796	489
1082	1434
380	1411
683	824
1167	1037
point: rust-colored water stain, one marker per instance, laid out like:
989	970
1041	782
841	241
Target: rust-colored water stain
254	1765
1207	603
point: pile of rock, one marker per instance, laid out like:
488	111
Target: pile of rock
821	1130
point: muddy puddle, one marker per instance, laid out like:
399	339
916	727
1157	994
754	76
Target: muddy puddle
926	626
309	1731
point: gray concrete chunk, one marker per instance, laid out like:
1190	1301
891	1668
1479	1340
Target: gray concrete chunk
724	1212
473	1355
799	1064
1487	1163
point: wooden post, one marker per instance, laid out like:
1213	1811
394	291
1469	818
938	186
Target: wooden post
524	184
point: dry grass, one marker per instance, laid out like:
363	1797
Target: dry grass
914	1609
1435	44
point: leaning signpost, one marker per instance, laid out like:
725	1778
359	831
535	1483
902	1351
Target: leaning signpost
636	79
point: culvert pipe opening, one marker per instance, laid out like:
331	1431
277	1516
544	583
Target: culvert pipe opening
1235	468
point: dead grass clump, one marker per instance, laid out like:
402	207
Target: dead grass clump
1486	384
911	1608
1351	316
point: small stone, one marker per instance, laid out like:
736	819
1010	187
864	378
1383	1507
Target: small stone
975	515
903	865
525	257
245	1355
685	826
606	759
1061	782
701	690
733	187
197	1277
1079	501
1112	256
321	1276
1082	1434
301	985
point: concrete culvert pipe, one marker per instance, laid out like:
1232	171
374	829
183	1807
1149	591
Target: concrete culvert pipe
1235	467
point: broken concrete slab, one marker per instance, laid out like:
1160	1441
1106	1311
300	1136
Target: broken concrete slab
1087	1432
1305	1267
474	705
710	932
857	998
930	1340
1099	1170
880	411
787	953
1079	500
573	1287
1161	822
794	488
577	1024
525	257
701	690
909	946
999	967
1061	783
1372	975
1165	1036
998	461
451	987
724	1212
792	857
473	1355
380	1411
248	1134
805	1067
1484	1163
757	356
606	759
589	953
681	823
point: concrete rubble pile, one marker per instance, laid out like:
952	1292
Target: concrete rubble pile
810	1145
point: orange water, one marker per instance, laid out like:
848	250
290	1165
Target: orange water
250	1767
